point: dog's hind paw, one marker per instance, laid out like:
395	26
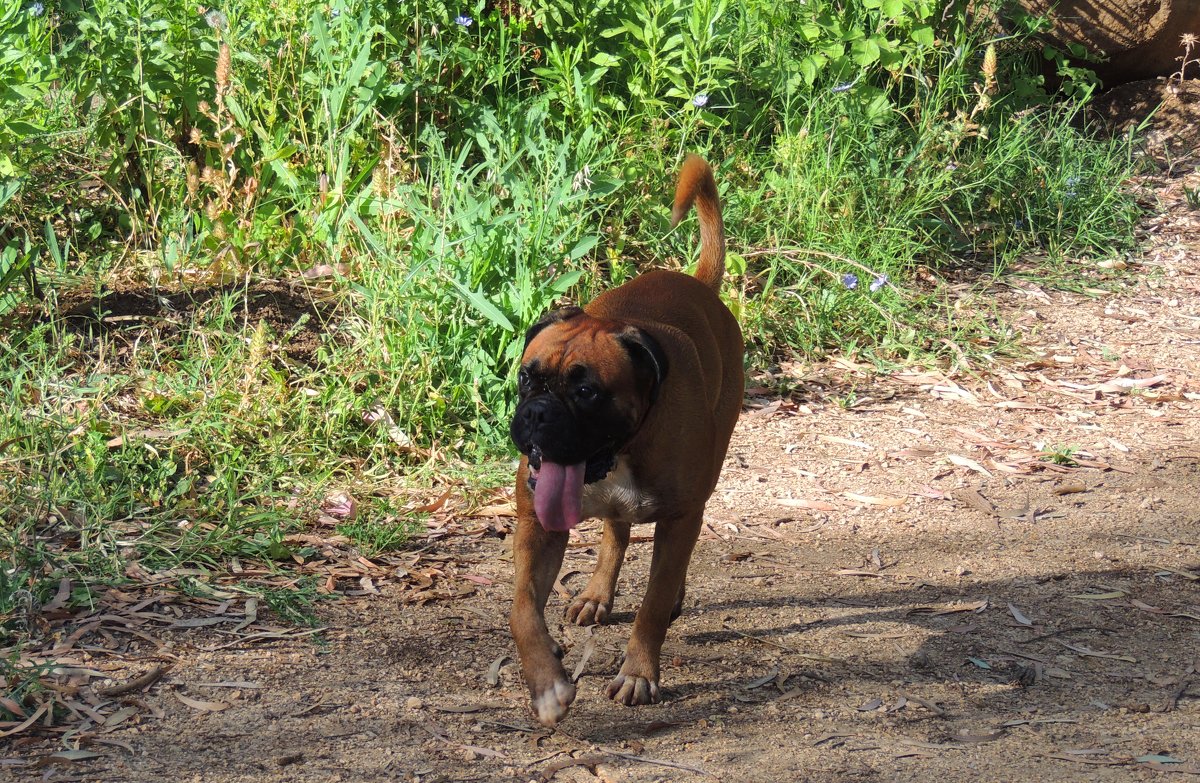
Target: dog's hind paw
551	704
632	690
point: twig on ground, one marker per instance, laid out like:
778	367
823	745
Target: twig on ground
658	762
138	683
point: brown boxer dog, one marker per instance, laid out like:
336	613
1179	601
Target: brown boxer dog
626	410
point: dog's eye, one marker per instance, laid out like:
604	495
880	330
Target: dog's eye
586	393
522	380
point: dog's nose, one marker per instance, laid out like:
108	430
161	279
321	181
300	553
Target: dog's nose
531	416
547	422
534	415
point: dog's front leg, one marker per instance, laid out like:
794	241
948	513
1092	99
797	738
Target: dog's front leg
537	557
637	682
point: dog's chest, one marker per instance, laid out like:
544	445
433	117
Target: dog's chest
618	497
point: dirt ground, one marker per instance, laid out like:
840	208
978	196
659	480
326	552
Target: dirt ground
1165	113
898	581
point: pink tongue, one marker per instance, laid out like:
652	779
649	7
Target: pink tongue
558	495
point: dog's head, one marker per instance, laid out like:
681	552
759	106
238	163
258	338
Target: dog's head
585	384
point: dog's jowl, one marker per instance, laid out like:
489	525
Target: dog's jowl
626	410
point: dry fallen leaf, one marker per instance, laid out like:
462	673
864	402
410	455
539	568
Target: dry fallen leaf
765	679
506	509
340	505
119	717
972	498
1180	572
201	705
1085	759
978	737
589	647
589	762
1119	385
940	609
1089	653
67	757
1018	616
1098	596
858	444
970	464
874	501
889	635
814	505
493	672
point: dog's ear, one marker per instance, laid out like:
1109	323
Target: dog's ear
649	360
552	317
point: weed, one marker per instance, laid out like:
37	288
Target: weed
1060	455
379	529
22	684
294	605
1193	197
846	401
1188	42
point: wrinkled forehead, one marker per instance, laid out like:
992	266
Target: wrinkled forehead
563	347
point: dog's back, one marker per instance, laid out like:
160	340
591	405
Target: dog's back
686	315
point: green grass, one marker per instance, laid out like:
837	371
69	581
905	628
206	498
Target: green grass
323	230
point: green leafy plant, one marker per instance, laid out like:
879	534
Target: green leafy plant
1060	455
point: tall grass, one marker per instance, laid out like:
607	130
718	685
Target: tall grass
426	179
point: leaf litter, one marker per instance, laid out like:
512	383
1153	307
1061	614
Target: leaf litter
130	620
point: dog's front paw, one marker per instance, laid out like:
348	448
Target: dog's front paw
551	702
633	690
585	610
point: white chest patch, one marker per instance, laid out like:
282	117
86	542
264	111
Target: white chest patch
618	497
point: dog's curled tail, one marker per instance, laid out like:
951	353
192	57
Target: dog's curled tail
696	185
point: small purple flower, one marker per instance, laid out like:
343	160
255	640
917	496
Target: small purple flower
701	100
951	166
850	280
335	13
464	21
36	9
843	87
879	282
1018	224
1071	183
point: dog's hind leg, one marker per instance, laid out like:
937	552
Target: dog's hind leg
593	605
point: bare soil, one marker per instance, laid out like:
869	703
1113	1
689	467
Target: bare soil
897	581
1164	113
132	309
